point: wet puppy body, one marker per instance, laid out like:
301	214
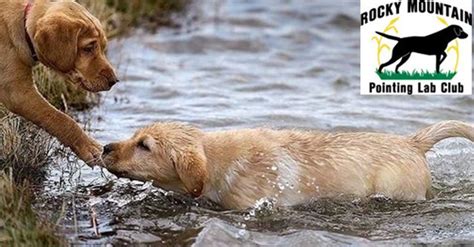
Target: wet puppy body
237	168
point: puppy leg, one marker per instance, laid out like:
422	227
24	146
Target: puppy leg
404	179
28	103
404	60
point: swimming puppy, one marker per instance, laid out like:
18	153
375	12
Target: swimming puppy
237	168
434	44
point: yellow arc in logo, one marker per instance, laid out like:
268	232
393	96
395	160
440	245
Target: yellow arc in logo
454	47
378	39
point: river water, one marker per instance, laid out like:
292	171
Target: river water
267	63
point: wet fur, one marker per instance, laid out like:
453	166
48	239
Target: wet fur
236	168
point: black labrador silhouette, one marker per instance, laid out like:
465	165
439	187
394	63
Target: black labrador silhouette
434	44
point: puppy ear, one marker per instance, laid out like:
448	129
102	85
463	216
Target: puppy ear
56	41
147	143
191	167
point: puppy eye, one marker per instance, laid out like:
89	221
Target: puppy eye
142	145
89	48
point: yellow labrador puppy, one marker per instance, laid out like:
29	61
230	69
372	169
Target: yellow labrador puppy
237	168
64	37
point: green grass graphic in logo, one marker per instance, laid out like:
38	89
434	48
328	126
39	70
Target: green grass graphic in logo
415	75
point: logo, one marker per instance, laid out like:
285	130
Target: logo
416	47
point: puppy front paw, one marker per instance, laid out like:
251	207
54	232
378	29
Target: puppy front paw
90	152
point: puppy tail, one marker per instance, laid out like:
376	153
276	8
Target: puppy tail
426	138
388	36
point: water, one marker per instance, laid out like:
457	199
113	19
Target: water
281	64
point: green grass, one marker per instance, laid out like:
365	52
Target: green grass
415	75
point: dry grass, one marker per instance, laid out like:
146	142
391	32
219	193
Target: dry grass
24	154
24	149
62	94
148	13
118	16
19	225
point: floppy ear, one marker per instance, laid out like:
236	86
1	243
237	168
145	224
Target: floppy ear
56	41
191	167
457	31
147	143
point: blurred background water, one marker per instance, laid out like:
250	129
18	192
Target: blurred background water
266	63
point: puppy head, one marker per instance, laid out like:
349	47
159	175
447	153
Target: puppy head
71	41
459	32
170	154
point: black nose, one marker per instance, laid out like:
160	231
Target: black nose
108	149
113	82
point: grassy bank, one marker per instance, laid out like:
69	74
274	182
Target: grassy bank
26	151
24	155
19	224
